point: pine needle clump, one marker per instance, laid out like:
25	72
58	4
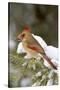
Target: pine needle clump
29	72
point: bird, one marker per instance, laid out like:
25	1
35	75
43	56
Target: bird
32	46
20	48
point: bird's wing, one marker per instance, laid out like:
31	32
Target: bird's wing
36	48
34	45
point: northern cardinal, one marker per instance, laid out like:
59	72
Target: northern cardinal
32	46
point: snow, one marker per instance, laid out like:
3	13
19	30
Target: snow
25	81
38	74
52	52
50	82
28	56
20	48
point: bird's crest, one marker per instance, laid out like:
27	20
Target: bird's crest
26	28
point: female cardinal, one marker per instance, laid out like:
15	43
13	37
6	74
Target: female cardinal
32	46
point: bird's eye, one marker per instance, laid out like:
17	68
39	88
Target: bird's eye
23	35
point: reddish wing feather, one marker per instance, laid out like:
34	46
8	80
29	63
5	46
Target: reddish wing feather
33	47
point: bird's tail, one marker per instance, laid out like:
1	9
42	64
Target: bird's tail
49	61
